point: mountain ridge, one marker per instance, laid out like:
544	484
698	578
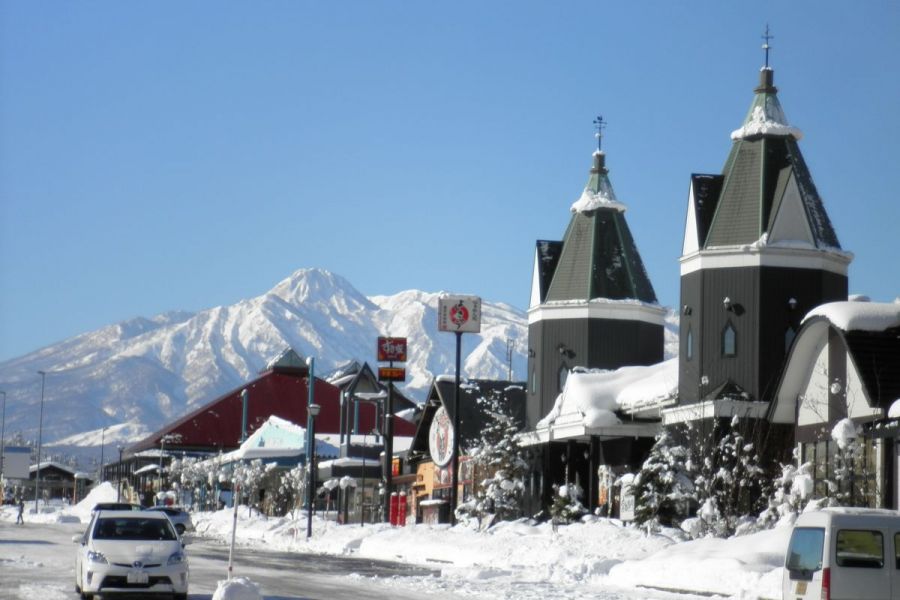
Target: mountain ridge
120	382
147	371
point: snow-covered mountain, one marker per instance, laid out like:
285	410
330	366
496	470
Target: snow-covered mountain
119	383
135	376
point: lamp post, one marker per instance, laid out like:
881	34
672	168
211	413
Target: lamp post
313	410
37	475
119	475
310	400
2	436
102	444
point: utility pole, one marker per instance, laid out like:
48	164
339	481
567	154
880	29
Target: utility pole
37	475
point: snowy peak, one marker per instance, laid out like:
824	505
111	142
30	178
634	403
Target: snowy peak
147	371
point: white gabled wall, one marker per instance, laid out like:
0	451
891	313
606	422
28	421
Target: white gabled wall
690	243
535	283
814	394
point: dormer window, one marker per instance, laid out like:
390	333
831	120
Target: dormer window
729	341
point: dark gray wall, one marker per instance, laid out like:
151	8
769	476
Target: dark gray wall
761	316
592	343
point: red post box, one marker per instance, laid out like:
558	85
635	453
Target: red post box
395	504
401	510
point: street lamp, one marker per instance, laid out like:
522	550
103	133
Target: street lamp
313	410
102	443
119	475
37	475
162	449
2	435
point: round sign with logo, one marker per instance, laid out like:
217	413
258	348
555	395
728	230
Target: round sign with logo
440	438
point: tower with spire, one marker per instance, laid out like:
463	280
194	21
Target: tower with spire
759	252
592	304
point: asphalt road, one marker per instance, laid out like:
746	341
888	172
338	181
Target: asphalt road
37	563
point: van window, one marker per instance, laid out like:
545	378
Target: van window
805	550
861	549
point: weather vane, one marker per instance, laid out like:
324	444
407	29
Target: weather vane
766	46
600	124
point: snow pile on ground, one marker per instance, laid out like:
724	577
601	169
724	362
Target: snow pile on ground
744	567
535	560
596	552
239	588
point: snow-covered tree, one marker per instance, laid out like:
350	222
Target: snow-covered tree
792	491
663	488
291	490
730	485
567	506
248	477
499	465
849	485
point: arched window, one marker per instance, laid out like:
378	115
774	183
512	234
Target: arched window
729	340
789	336
563	376
689	342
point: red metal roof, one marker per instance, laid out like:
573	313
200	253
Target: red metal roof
283	393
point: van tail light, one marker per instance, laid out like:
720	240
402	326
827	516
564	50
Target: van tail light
826	584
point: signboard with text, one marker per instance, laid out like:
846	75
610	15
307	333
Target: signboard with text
391	349
460	314
391	374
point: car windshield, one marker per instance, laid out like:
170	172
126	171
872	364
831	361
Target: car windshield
133	528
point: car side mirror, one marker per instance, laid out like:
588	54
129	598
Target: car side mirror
78	539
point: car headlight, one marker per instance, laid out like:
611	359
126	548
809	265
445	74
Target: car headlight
96	557
177	558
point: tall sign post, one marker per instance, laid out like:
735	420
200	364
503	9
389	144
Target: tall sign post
458	314
390	350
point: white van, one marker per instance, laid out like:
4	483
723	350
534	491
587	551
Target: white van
844	554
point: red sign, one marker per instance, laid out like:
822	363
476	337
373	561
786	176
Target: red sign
391	374
391	349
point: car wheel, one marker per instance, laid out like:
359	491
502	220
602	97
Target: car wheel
180	529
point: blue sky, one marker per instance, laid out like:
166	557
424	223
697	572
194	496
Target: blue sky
178	156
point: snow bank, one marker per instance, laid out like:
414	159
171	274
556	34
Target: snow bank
239	588
535	560
748	566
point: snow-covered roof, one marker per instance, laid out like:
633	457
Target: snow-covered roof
766	117
594	396
859	316
603	198
46	464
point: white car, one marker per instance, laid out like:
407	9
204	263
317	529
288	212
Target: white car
130	552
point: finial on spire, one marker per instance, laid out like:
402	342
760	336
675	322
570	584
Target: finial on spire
600	124
766	45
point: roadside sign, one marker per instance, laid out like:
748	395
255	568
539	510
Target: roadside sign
16	462
391	374
460	314
391	349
